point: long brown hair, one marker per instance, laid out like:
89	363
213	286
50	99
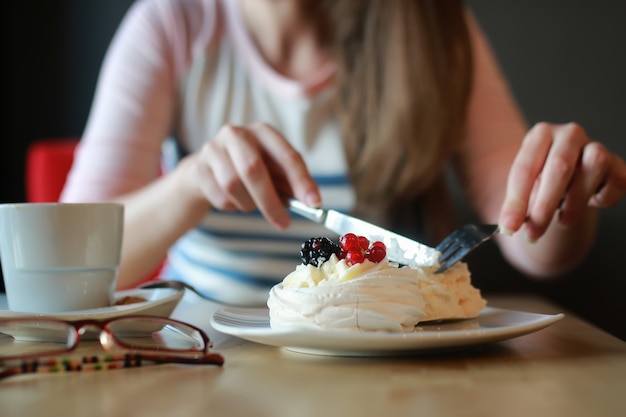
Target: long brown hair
404	79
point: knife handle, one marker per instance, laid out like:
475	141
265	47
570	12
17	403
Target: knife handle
314	214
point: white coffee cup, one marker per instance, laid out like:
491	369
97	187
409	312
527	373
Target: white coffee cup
60	256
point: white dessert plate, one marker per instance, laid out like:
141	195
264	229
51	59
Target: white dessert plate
492	325
159	302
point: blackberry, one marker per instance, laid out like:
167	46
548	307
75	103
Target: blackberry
318	250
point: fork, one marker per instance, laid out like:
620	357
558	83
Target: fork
462	241
231	319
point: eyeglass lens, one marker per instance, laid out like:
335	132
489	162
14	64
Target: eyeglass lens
48	337
156	335
33	337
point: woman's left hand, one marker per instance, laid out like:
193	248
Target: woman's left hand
559	168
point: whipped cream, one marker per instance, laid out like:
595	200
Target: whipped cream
366	296
371	296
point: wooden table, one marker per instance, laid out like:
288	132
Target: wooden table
568	369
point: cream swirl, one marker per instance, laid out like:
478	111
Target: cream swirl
363	297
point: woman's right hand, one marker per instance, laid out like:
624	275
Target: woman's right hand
249	167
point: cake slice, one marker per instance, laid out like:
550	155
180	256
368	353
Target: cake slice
353	286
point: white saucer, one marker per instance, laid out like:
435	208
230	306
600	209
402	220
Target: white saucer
159	302
491	325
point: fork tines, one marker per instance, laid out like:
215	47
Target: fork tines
240	321
462	241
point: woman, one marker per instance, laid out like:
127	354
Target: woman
362	106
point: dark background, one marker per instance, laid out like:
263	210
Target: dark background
565	61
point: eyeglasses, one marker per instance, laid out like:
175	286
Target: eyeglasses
132	339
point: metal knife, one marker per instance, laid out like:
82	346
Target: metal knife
399	248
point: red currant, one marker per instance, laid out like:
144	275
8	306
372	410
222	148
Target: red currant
379	244
356	249
355	257
376	253
348	241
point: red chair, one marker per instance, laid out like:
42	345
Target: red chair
48	161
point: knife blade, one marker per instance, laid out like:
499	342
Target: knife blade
400	249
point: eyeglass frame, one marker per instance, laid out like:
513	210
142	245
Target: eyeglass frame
108	340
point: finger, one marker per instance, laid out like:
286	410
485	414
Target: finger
252	165
288	168
230	141
586	182
573	204
523	176
534	190
613	187
206	183
557	175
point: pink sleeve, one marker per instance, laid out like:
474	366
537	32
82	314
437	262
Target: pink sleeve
495	129
135	101
493	111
